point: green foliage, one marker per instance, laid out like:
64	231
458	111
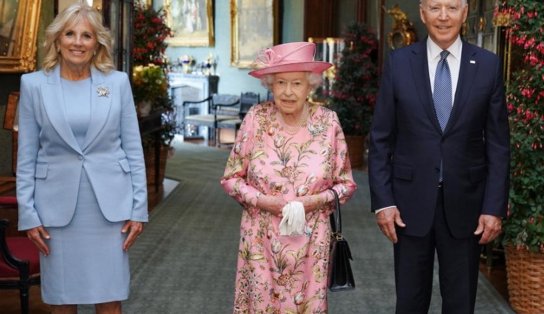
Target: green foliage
355	87
149	81
524	226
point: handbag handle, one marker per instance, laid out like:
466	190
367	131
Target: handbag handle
336	220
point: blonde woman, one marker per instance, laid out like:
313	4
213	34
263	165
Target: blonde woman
80	175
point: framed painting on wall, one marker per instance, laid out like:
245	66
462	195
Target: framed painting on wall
146	3
254	26
18	32
191	22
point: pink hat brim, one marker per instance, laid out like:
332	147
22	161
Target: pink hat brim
311	66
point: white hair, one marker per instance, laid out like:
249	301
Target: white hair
463	2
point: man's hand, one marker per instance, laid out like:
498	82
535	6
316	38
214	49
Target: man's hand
489	227
386	219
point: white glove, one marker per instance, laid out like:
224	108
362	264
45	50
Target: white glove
294	219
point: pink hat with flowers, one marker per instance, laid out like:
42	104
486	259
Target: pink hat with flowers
289	57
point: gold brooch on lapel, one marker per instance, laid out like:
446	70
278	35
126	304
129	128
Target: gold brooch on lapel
103	91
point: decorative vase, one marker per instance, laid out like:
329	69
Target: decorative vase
358	150
187	69
525	275
144	108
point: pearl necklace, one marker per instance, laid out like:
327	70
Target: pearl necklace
293	129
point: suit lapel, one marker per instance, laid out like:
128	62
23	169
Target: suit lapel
420	70
467	72
101	95
53	102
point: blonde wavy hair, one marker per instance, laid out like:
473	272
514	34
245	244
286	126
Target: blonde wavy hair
74	14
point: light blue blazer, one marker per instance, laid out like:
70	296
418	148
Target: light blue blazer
50	161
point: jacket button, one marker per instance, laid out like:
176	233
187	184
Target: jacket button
80	157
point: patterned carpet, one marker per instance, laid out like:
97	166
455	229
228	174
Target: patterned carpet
184	262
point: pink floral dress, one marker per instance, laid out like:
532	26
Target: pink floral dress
285	274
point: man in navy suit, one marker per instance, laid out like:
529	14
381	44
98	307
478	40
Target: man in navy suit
439	160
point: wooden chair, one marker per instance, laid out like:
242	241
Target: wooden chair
217	104
19	257
269	96
7	183
19	261
11	124
247	100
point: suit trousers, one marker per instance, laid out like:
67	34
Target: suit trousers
458	261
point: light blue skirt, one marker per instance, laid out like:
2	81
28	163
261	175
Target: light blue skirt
87	264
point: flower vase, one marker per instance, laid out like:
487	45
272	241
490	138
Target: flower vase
144	108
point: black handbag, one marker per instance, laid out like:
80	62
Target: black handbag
340	275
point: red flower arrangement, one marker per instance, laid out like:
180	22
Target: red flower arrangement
353	93
150	33
524	227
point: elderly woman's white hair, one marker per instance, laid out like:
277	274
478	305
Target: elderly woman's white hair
74	14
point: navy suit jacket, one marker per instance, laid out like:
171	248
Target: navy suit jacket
407	143
50	160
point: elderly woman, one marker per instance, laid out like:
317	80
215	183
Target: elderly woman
287	155
80	176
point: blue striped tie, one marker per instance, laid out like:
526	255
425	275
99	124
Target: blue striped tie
442	90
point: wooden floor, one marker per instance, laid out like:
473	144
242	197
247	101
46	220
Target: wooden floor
9	299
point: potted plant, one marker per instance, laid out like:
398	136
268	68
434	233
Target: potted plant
150	84
524	227
354	90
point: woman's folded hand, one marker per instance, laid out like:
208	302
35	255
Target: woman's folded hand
272	204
